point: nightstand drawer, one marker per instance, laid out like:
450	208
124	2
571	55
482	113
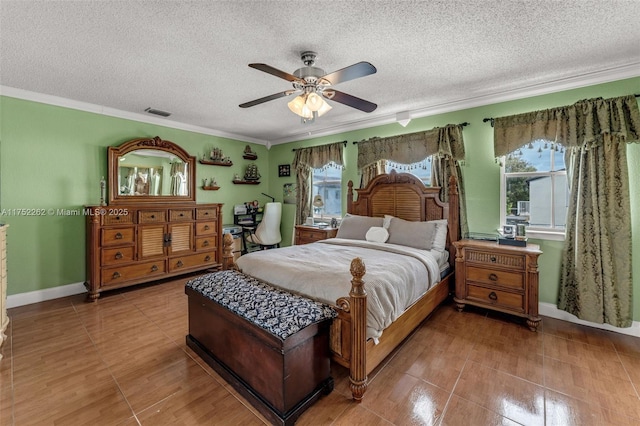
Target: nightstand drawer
312	235
512	261
514	280
489	296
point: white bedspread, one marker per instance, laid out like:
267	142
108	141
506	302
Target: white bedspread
396	275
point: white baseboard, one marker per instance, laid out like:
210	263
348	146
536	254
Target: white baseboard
550	310
36	296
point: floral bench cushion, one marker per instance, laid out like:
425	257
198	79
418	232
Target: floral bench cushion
274	310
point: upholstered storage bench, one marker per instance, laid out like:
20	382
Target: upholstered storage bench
271	345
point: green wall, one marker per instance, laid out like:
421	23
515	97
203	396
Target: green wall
481	173
53	157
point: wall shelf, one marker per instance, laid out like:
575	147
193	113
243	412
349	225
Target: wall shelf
250	156
217	163
246	182
210	188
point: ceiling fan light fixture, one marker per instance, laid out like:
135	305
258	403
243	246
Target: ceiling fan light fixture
325	108
314	102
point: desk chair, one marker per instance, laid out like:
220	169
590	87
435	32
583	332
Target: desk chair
267	233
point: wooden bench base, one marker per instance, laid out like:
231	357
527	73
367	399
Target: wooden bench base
281	378
244	389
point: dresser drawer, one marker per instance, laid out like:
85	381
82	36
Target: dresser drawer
113	219
180	215
207	243
512	261
113	256
514	280
152	216
206	228
498	298
117	236
206	214
117	275
194	260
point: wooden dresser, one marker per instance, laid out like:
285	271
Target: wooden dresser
4	319
499	277
133	244
308	234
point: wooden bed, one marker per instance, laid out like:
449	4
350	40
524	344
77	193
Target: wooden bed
404	196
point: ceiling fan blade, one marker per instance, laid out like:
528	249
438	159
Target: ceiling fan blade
350	100
361	69
274	71
267	98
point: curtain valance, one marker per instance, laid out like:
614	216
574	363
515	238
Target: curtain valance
317	156
581	124
413	147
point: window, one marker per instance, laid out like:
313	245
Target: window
421	169
327	183
534	190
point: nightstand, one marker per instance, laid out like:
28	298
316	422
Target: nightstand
308	234
499	277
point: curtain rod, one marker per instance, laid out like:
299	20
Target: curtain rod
484	120
295	149
466	123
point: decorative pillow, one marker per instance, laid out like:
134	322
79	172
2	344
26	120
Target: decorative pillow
377	234
440	239
412	234
355	227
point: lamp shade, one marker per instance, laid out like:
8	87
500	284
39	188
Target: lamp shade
317	201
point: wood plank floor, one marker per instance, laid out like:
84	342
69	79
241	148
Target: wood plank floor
123	361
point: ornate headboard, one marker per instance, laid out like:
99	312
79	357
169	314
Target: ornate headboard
405	196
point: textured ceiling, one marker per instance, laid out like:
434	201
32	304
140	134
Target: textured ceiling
191	57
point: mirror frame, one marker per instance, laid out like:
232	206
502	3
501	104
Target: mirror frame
114	154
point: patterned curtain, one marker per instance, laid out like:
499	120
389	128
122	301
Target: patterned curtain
595	282
444	144
371	171
306	159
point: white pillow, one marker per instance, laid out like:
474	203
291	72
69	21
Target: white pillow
440	240
377	234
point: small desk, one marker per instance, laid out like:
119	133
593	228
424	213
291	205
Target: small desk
249	222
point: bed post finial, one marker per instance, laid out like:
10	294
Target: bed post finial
358	301
227	252
350	196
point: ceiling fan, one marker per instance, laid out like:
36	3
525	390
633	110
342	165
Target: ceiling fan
312	84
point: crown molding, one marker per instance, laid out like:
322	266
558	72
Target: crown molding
560	85
13	92
574	82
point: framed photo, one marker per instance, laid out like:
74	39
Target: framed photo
284	170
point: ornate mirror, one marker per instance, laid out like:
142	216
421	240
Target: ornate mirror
150	170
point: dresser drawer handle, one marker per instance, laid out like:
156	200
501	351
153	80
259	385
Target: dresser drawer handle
181	214
153	216
116	275
493	259
119	236
118	255
179	264
154	268
207	258
205	243
493	296
206	227
206	213
493	277
117	218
